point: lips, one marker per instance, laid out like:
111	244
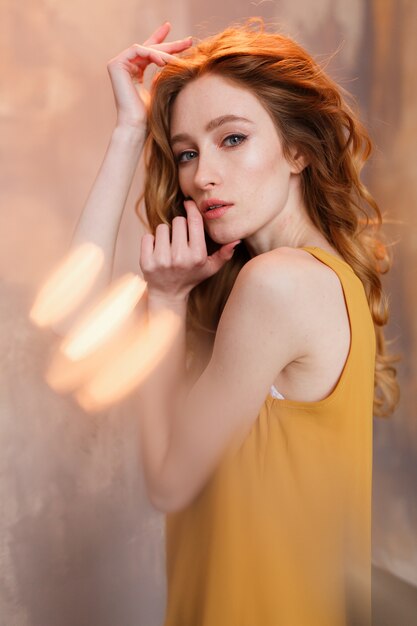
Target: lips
205	206
214	214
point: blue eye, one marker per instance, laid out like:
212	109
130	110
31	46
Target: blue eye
180	159
241	139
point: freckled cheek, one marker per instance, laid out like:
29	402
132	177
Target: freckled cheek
264	174
256	166
255	178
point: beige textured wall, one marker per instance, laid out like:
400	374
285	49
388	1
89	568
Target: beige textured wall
79	543
392	111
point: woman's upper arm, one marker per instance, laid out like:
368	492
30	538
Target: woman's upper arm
256	338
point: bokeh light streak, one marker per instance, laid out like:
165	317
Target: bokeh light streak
68	285
64	375
132	365
105	318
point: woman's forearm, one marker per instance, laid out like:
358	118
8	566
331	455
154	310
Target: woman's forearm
102	213
160	399
100	219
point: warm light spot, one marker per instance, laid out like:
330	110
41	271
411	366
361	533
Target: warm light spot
132	365
105	318
64	375
68	285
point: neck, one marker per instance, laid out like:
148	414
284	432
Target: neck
292	228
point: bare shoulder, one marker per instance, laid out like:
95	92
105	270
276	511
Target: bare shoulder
279	287
306	297
292	272
297	287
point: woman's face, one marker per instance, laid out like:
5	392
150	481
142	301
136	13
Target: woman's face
236	161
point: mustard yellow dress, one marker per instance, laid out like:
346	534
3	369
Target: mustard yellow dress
281	533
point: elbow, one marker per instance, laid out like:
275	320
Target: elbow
159	503
166	504
171	492
168	501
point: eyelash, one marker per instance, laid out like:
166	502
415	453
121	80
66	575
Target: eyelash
242	137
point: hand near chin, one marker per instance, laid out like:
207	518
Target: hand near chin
173	268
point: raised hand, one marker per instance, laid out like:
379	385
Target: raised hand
173	268
126	72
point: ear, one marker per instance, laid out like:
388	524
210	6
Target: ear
298	160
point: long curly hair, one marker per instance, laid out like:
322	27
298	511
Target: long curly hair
310	111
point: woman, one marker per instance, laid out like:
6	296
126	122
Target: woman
256	430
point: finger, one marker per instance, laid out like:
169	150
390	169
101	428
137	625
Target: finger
175	46
137	51
226	251
162	249
179	244
141	59
195	227
159	34
146	252
153	53
221	256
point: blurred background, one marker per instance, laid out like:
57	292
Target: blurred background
79	543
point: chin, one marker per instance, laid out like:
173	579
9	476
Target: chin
223	238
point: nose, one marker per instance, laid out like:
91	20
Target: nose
208	172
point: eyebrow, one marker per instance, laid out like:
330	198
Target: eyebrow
218	121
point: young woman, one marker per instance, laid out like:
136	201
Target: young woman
256	430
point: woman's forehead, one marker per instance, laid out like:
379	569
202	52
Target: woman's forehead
214	87
205	99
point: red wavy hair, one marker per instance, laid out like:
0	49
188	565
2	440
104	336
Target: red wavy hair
310	111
